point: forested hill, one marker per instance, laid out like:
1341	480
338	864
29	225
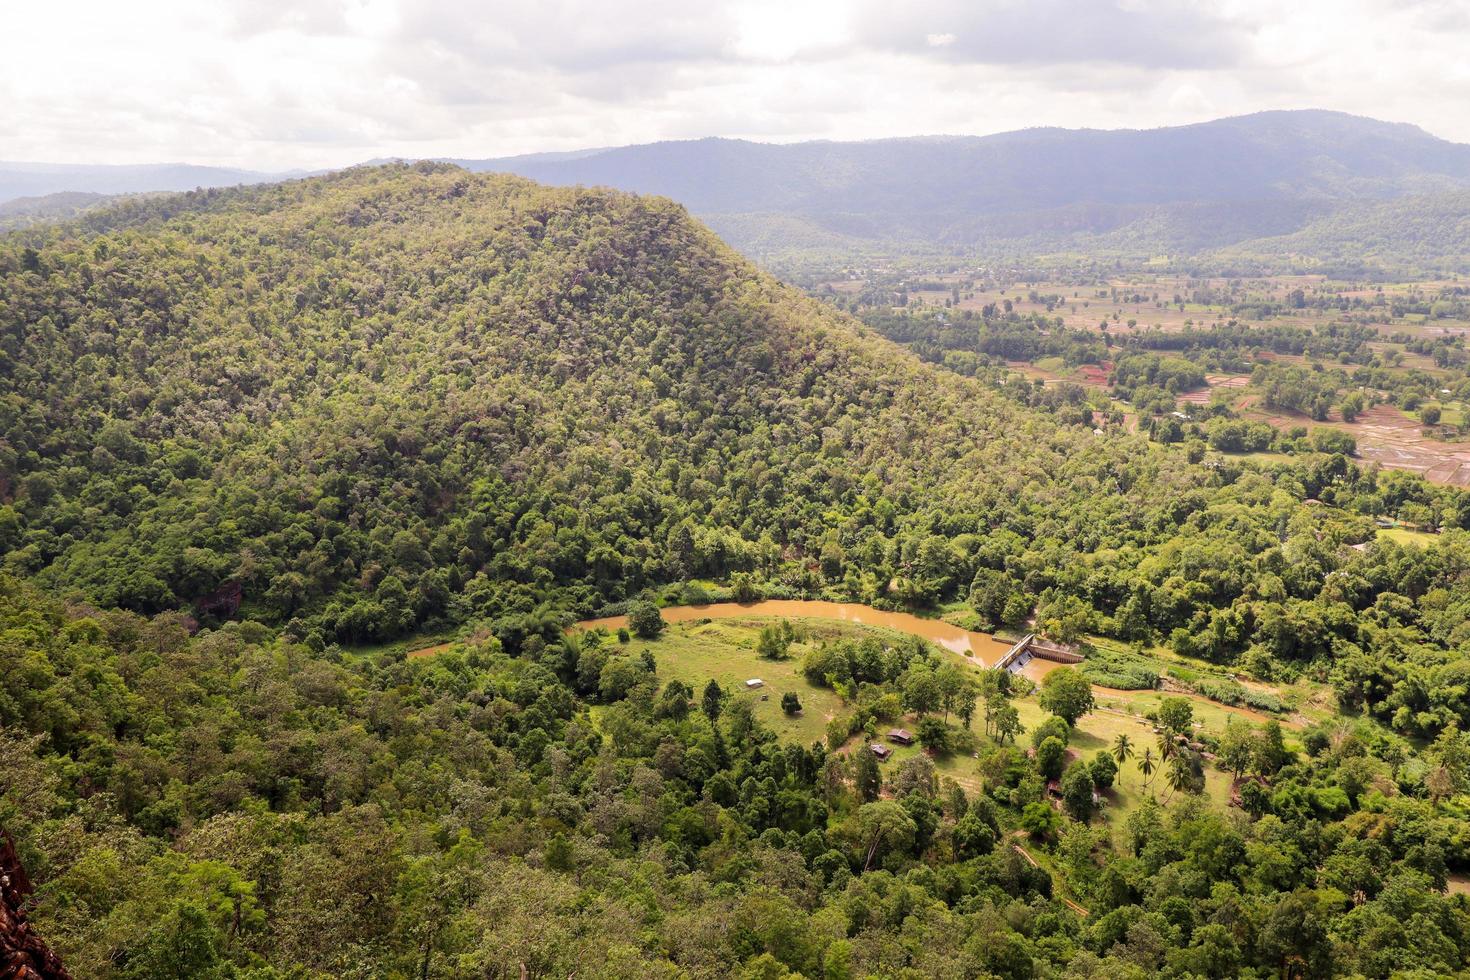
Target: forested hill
402	397
1182	190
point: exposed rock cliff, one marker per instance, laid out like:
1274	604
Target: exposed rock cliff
23	954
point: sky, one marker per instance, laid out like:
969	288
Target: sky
317	83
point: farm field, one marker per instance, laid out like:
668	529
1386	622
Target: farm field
1397	348
1171	302
1384	435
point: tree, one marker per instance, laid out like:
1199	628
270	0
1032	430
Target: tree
1076	790
181	944
1168	744
1049	756
1146	765
1236	745
714	700
559	854
1039	820
1269	753
1052	727
1185	773
774	642
1122	749
933	735
1294	937
743	588
790	703
884	826
921	693
973	837
1104	770
645	620
1007	723
965	704
1176	715
1066	694
952	683
916	775
866	776
674	701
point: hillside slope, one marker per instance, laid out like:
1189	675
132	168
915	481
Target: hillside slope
1414	233
403	396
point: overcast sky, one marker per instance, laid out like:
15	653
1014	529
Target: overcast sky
310	83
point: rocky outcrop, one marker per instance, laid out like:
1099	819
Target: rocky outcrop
23	954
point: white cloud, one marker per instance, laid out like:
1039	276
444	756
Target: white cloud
274	84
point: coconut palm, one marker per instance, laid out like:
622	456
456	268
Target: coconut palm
1184	770
1122	749
1146	765
1167	745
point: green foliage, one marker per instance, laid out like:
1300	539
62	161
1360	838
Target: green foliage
1051	754
1104	770
645	620
1176	715
774	642
1066	693
1076	789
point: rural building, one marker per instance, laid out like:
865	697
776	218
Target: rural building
754	683
901	736
880	750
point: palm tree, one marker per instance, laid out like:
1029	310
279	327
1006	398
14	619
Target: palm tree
1180	774
1146	765
1167	745
1122	749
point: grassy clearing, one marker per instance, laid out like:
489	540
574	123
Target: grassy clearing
724	650
1404	535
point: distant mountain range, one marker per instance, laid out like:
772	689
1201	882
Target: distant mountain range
1209	188
1289	187
41	179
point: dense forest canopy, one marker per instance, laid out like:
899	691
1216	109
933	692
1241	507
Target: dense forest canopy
245	433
